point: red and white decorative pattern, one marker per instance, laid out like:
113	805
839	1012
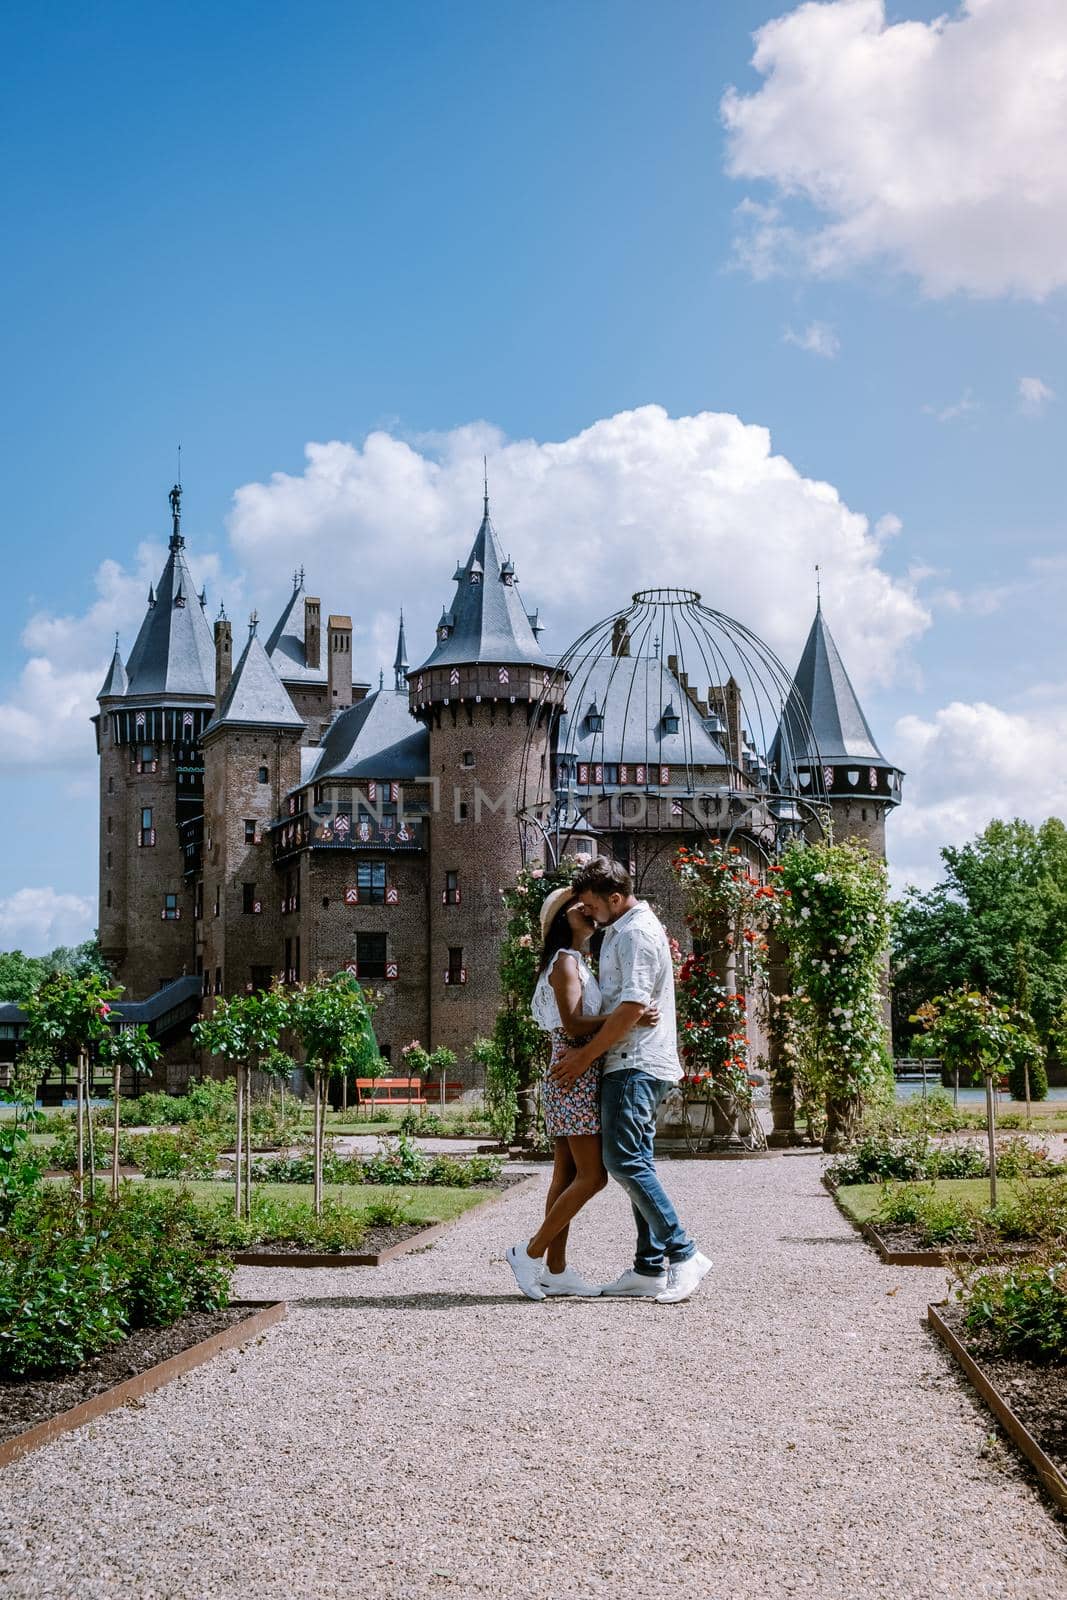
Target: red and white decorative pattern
392	970
872	777
451	977
394	791
392	895
403	834
640	774
828	777
583	772
352	969
664	775
342	826
676	808
453	678
364	832
187	721
139	721
351	895
257	907
372	793
624	774
502	674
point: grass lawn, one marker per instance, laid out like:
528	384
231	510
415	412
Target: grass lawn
422	1204
861	1200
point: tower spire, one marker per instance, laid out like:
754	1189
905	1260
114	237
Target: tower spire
485	486
400	664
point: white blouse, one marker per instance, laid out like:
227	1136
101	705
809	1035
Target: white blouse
543	1005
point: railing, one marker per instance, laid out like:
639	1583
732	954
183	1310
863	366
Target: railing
342	832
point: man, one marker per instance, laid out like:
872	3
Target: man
640	1066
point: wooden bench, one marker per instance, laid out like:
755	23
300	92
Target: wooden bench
398	1092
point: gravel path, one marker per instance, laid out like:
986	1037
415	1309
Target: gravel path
420	1431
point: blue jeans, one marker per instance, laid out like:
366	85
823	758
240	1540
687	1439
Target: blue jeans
628	1103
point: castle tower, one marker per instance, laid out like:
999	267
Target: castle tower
251	761
861	785
152	712
475	693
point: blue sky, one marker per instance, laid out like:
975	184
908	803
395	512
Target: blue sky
253	227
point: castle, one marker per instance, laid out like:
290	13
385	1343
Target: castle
272	815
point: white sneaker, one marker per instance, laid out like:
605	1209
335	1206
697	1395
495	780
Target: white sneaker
633	1285
568	1282
684	1279
527	1270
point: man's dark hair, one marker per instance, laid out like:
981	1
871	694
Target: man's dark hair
603	876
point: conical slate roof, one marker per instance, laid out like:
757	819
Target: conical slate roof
400	663
255	696
116	683
173	653
487	621
823	710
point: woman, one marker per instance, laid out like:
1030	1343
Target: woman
566	1003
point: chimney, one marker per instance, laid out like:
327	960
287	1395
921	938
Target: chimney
726	700
312	632
223	660
339	666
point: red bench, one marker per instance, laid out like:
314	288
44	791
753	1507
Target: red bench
390	1092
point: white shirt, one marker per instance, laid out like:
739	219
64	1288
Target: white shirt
544	1005
635	965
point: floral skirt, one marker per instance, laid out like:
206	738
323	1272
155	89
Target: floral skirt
569	1113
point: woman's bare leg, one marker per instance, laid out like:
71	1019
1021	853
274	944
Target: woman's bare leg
564	1173
589	1178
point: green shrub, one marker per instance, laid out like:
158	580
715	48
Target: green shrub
20	1167
462	1172
901	1205
62	1153
397	1161
878	1157
1018	1158
1037	1211
961	1160
428	1124
166	1271
945	1219
61	1301
1022	1310
386	1214
188	1153
1038	1081
278	1220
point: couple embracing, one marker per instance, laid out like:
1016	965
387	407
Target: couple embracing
614	1058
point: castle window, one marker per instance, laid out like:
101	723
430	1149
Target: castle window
370	884
109	824
264	774
461	811
170	908
146	816
248	898
198	900
147	835
863	813
250	830
467	759
261	977
111	786
370	955
109	899
109	860
455	972
217	896
147	753
218	980
451	891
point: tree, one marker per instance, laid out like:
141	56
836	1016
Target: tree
834	919
245	1031
22	975
997	924
69	1015
132	1048
331	1017
972	1034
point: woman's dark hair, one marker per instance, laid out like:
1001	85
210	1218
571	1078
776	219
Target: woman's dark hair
559	935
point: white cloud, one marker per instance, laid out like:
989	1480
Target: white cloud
938	148
818	338
1034	396
44	719
36	920
638	499
966	764
959	408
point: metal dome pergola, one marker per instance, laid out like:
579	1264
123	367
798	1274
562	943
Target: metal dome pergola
663	718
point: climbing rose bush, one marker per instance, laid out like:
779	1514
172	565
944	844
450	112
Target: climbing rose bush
833	914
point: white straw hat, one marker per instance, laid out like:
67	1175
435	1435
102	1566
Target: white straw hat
553	902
